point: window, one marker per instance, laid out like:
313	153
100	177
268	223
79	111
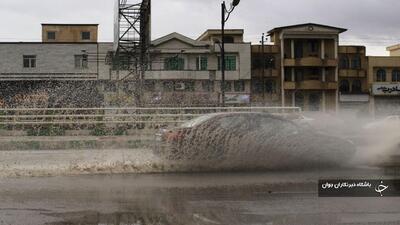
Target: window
381	75
29	61
298	49
229	39
344	62
81	61
239	86
396	75
270	86
85	35
299	75
202	63
207	85
228	86
230	63
174	63
288	74
51	35
356	63
344	86
356	87
314	46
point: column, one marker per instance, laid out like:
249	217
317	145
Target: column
322	49
337	74
282	70
292	48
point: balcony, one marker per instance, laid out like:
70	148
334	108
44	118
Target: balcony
352	73
311	85
267	72
311	62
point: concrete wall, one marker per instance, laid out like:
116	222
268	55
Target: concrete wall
53	61
70	33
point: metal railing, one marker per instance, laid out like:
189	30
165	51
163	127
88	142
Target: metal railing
121	116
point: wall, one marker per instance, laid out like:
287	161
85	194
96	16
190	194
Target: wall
70	33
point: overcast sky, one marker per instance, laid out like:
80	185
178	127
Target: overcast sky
374	23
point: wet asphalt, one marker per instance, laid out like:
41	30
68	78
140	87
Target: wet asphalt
173	199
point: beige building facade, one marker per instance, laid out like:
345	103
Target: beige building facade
384	83
305	66
73	33
185	71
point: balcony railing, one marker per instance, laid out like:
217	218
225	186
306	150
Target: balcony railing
310	62
352	73
311	85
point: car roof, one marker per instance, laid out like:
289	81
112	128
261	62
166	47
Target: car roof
222	114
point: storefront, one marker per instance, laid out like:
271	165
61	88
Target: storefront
386	99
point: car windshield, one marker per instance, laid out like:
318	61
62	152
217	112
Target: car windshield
197	121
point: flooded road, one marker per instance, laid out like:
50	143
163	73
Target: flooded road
185	199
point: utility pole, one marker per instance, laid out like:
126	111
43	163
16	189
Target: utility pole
263	66
224	19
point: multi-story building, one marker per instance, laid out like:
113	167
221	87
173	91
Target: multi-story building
353	81
384	83
306	67
71	68
63	70
185	71
302	66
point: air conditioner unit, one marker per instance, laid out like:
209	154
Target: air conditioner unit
180	86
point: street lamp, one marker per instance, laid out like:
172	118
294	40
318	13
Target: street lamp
225	14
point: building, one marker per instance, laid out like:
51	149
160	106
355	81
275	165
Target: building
304	66
73	33
353	79
184	71
63	70
266	75
394	50
70	68
384	83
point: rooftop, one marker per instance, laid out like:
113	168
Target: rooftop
69	24
393	47
276	29
218	32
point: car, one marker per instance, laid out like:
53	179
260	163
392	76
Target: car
251	139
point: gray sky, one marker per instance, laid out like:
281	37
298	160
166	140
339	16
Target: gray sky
374	23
